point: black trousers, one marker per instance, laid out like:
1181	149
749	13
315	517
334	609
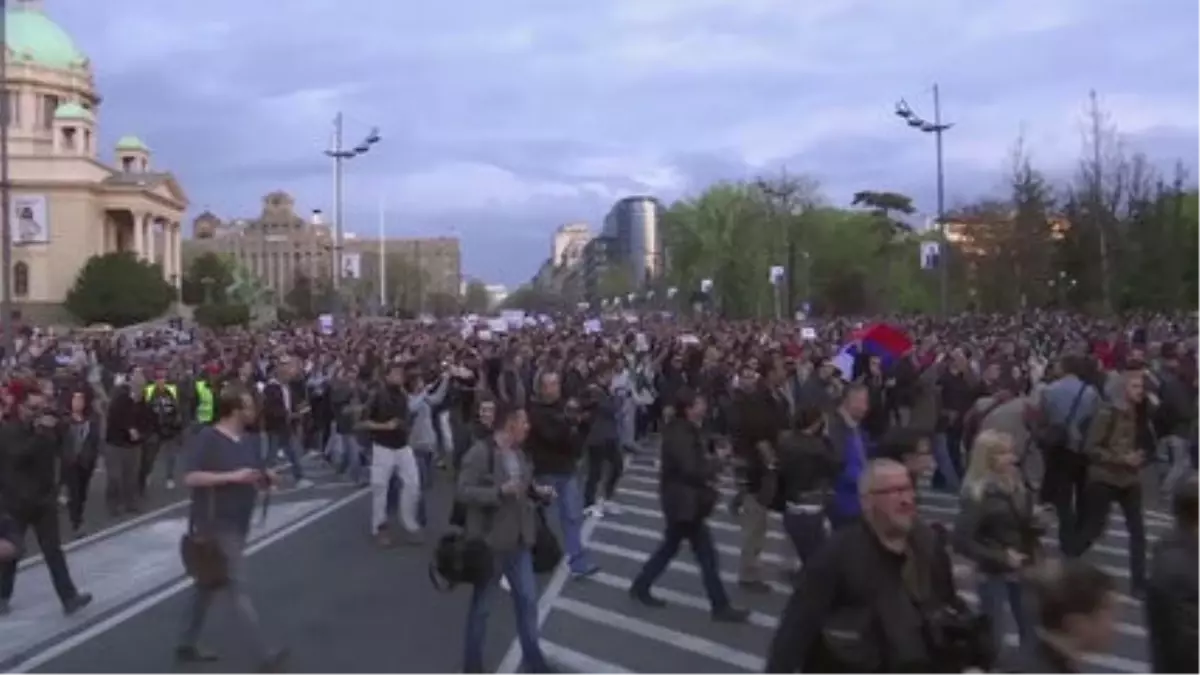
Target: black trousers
600	457
77	479
44	521
1062	487
1093	521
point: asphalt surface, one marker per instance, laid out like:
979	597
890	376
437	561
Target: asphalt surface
340	604
592	626
327	593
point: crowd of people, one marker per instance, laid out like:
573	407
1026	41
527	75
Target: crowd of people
1039	422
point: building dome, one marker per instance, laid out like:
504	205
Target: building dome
72	111
32	37
131	143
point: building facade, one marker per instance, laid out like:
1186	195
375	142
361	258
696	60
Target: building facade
279	245
566	248
595	266
67	203
632	228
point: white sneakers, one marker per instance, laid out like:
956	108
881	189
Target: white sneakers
602	508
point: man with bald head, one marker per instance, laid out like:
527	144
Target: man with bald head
863	602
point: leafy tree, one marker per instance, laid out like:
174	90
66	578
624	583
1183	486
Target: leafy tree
408	284
885	207
309	298
534	301
211	266
119	289
616	282
477	300
222	315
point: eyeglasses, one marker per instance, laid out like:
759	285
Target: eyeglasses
893	491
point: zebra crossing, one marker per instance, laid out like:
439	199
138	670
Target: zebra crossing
593	626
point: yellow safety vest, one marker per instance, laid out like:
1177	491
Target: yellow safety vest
170	390
204	405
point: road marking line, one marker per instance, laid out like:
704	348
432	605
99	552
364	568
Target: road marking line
676	565
683	641
99	628
554	588
118	528
655	535
713	523
578	662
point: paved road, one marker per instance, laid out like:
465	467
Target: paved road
592	626
342	605
325	591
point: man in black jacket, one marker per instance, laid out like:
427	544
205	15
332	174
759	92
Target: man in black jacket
1171	596
125	431
555	446
864	602
758	422
30	447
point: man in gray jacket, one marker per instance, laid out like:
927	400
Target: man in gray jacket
496	489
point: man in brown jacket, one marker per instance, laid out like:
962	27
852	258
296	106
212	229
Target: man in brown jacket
1114	474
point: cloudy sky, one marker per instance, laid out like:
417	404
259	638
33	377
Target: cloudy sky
505	118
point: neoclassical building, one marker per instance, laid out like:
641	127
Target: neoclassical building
68	202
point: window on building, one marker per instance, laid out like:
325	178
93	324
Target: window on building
50	103
87	141
20	280
11	108
69	139
127	164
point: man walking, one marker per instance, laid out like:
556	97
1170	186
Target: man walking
225	472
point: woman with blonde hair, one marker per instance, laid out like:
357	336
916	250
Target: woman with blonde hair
998	529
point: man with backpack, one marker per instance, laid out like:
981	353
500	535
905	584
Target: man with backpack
1067	406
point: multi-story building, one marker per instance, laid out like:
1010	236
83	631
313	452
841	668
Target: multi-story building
566	249
279	245
632	227
70	199
595	266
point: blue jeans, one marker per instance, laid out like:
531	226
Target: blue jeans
806	531
994	593
943	456
425	470
700	537
346	455
569	505
290	445
517	567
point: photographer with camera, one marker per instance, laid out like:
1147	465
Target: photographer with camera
879	596
500	498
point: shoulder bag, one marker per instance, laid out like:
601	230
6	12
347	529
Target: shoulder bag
203	558
457	558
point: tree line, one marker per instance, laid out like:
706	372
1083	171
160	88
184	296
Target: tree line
1119	234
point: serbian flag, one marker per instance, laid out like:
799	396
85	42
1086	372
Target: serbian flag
887	342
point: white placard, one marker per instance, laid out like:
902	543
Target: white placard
325	321
671	292
705	285
28	217
591	326
497	325
351	265
808	333
776	274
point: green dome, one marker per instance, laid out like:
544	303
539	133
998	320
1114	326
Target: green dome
72	111
32	37
131	143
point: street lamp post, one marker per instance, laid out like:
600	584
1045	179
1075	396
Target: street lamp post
936	127
339	153
6	313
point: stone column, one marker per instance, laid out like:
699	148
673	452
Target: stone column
139	235
176	249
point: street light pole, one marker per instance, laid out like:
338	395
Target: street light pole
340	154
6	313
937	127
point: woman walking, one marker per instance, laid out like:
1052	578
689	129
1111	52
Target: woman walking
998	529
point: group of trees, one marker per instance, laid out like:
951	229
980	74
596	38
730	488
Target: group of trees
1118	234
120	290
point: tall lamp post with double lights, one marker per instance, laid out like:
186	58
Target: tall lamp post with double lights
937	127
340	153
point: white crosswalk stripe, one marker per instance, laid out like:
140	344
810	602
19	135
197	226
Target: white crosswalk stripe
593	626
